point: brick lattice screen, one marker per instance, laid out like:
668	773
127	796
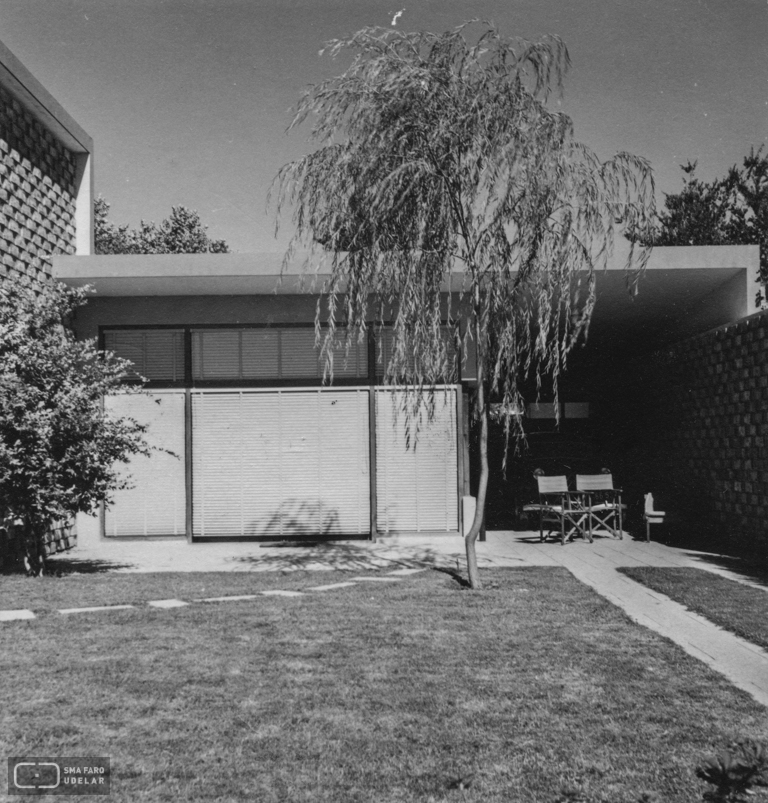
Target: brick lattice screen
37	215
695	429
37	195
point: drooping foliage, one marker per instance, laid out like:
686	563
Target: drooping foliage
438	164
181	233
58	449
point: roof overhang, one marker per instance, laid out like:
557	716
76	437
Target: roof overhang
684	290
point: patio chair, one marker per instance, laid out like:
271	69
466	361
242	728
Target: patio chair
651	516
560	508
602	502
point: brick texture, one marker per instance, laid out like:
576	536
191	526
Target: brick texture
37	195
696	428
37	215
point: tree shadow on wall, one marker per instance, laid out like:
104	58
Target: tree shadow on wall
298	518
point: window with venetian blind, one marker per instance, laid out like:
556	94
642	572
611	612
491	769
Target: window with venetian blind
279	353
384	344
156	354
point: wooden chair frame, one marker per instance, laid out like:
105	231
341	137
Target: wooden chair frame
561	507
602	502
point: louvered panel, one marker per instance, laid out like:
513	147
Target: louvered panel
260	454
128	345
299	359
352	364
345	462
216	354
436	452
215	480
384	339
157	354
384	345
280	463
156	504
302	508
260	354
416	485
164	355
396	497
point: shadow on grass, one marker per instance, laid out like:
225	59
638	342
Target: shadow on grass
709	545
62	566
745	568
455	574
308	555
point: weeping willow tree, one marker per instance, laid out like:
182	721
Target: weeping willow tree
436	158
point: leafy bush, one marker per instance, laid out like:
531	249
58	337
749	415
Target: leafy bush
733	772
58	449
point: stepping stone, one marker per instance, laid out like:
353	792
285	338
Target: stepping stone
331	586
96	608
9	616
228	599
406	571
377	579
167	603
280	593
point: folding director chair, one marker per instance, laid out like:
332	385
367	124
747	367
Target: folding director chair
602	503
560	509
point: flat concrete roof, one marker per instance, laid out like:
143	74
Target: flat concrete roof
262	273
684	291
20	82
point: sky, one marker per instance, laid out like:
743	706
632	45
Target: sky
188	100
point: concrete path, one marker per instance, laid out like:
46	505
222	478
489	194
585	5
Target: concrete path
743	663
595	564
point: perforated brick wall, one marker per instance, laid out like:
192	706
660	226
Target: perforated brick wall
37	195
696	431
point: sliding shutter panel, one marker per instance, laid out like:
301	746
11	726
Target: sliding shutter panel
156	502
416	474
260	354
216	354
345	485
280	463
236	440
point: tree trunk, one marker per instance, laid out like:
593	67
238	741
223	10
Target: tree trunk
35	559
482	410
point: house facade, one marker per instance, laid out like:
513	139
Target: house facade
251	441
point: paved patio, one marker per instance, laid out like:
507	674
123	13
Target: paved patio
745	664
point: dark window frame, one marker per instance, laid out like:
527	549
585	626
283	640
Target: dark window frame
373	378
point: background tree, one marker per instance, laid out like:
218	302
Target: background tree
181	233
57	448
727	211
436	151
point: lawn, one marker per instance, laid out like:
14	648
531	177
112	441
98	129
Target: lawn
536	689
733	606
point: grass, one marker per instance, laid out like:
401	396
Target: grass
47	594
536	689
736	607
